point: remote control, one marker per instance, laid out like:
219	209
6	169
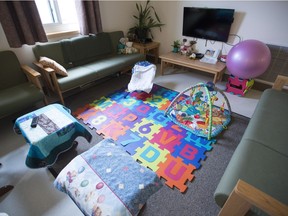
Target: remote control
34	121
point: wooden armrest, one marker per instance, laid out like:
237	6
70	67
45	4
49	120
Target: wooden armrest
280	82
32	75
30	71
244	196
46	69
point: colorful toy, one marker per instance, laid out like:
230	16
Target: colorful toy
248	59
198	113
187	47
238	86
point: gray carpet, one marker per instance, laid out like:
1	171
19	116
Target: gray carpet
198	199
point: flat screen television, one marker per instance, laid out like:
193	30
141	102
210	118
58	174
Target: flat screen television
207	23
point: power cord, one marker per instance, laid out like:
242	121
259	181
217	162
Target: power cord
235	35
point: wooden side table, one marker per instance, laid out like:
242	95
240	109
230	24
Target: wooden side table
152	47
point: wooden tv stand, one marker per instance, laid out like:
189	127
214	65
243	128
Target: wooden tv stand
182	60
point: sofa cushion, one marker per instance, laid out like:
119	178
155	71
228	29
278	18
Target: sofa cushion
98	69
115	37
10	73
269	124
85	49
53	51
257	165
18	97
78	76
114	63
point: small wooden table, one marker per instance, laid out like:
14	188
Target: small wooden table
182	60
147	47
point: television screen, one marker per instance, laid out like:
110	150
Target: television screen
207	23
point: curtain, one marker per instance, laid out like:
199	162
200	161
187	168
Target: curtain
21	23
89	16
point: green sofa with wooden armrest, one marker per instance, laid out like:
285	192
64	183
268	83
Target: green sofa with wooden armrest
17	91
85	58
256	178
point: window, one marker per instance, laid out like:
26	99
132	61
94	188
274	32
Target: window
58	15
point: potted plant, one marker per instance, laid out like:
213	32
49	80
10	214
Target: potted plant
147	18
176	46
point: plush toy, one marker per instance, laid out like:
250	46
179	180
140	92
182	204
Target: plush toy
125	46
187	47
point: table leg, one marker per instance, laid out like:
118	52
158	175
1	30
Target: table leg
215	78
5	189
156	55
162	67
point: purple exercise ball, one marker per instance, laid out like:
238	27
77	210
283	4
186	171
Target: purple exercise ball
248	59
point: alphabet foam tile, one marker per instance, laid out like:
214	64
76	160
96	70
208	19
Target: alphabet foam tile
165	93
113	130
86	112
156	101
81	110
129	102
98	120
199	141
175	172
150	155
146	128
131	141
190	154
166	139
116	111
102	103
158	117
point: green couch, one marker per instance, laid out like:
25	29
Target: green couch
86	59
17	91
260	160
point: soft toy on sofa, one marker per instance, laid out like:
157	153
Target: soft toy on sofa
125	46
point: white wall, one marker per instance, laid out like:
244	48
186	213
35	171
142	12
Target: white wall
262	20
117	15
24	54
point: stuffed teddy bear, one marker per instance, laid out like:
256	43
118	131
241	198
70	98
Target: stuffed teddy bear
126	47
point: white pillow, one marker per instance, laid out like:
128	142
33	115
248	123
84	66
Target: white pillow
59	69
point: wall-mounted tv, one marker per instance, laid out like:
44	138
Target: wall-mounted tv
207	23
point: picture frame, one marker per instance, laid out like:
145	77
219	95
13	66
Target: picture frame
212	53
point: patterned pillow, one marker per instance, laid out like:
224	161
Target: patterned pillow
106	180
59	69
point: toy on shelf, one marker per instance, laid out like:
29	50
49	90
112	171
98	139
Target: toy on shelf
198	112
187	47
238	86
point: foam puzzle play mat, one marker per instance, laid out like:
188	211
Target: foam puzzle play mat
139	122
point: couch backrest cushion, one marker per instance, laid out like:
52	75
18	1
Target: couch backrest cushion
84	49
115	37
52	50
10	70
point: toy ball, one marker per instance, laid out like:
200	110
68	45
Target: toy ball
248	59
